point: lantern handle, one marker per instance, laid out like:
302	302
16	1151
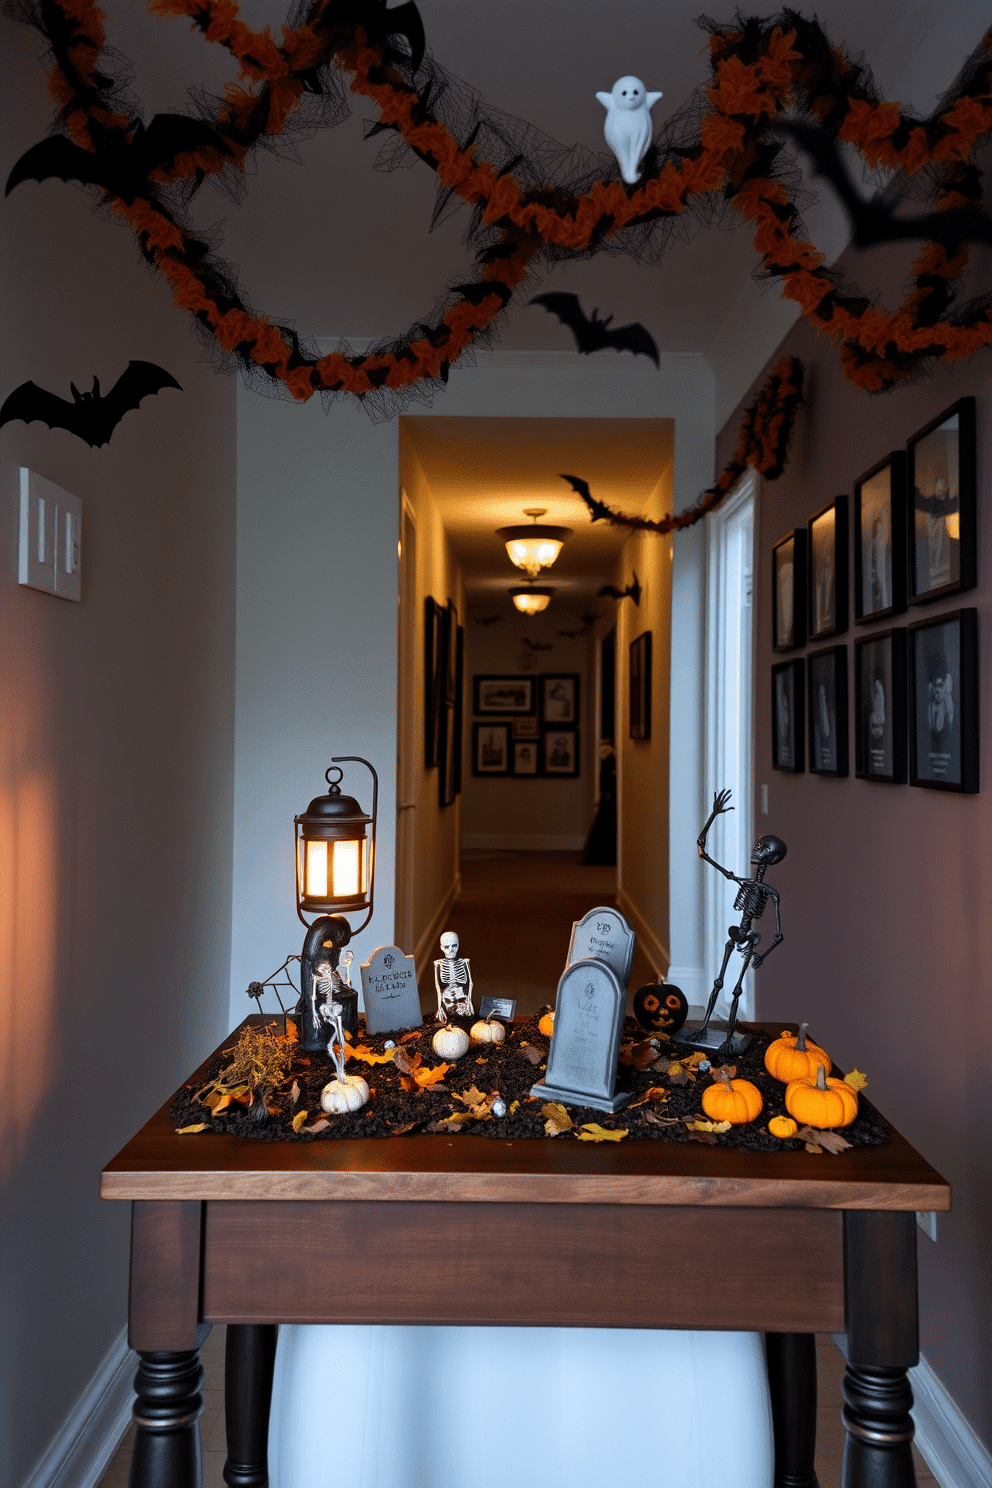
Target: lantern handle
340	759
333	786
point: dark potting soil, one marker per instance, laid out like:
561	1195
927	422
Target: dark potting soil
510	1069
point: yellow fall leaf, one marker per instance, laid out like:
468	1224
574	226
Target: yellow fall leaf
558	1119
694	1059
514	1105
708	1126
656	1093
431	1076
593	1132
299	1119
369	1056
856	1080
183	1130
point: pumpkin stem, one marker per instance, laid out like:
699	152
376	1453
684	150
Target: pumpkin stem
801	1040
821	1077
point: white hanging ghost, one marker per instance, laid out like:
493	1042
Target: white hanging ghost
628	124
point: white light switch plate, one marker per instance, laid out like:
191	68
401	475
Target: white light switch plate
51	538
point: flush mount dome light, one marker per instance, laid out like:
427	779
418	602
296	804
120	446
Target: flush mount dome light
535	547
531	601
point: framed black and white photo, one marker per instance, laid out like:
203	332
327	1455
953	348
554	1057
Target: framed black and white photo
490	749
640	687
943	702
827	570
434	626
526	728
505	695
789	591
788	715
880	707
940	476
525	756
450	649
880	540
459	706
560	752
826	695
559	693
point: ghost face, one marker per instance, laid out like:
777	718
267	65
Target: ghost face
449	944
628	93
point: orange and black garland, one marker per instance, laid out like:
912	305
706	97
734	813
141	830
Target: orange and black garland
760	69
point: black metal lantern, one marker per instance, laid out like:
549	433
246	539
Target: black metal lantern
335	875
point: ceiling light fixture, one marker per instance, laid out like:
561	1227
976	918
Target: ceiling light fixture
531	601
536	547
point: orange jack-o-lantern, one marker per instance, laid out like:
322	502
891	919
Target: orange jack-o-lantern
661	1007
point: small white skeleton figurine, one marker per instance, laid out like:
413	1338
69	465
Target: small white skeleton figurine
346	959
453	981
325	1004
628	124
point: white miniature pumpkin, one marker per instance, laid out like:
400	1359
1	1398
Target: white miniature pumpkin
450	1042
341	1096
488	1031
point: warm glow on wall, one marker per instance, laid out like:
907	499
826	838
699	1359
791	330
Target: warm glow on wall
536	547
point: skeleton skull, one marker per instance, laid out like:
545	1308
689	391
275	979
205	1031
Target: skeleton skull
449	944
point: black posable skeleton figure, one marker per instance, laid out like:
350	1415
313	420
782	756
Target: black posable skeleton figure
752	898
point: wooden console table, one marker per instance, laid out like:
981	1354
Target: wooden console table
253	1234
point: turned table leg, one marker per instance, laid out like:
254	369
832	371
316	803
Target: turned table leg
166	1414
791	1359
249	1361
882	1343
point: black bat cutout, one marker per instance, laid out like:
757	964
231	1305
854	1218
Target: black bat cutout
486	619
118	167
632	591
89	416
598	510
873	222
378	23
592	334
537	645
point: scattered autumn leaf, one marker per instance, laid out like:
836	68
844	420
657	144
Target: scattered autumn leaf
700	1125
299	1119
815	1148
218	1100
470	1097
185	1130
694	1059
593	1132
318	1126
534	1055
822	1141
677	1075
856	1080
514	1106
401	1131
432	1077
408	1036
639	1055
558	1119
697	1136
655	1094
661	1120
294	1094
369	1056
731	1070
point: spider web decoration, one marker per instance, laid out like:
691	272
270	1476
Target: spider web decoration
532	201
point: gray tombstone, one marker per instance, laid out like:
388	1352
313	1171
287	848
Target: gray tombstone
389	986
582	1060
605	934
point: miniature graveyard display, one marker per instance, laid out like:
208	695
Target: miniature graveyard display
389	987
585	1045
452	981
605	934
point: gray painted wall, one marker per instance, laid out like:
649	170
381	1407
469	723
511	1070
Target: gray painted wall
115	772
888	943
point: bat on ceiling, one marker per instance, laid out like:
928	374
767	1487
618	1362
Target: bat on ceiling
119	167
872	221
536	645
486	619
632	591
378	23
90	416
593	334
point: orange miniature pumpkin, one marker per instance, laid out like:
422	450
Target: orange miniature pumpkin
794	1057
547	1025
736	1101
822	1102
782	1126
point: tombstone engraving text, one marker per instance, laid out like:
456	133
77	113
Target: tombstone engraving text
389	986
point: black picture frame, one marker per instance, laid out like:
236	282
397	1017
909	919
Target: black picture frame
880	707
560	753
526	758
558	695
942	453
448	756
826	711
459	706
528	727
942	668
639	688
789	591
433	642
503	695
826	571
491	749
789	716
450	653
880	540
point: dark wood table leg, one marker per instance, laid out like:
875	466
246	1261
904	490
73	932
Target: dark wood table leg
791	1361
166	1413
249	1361
882	1343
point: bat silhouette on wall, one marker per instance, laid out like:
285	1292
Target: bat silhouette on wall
90	416
632	591
872	221
486	619
119	167
598	510
536	645
592	334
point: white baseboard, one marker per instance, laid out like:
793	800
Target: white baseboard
424	951
79	1452
656	952
949	1446
523	842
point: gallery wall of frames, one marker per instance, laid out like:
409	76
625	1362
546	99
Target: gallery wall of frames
526	725
901	542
